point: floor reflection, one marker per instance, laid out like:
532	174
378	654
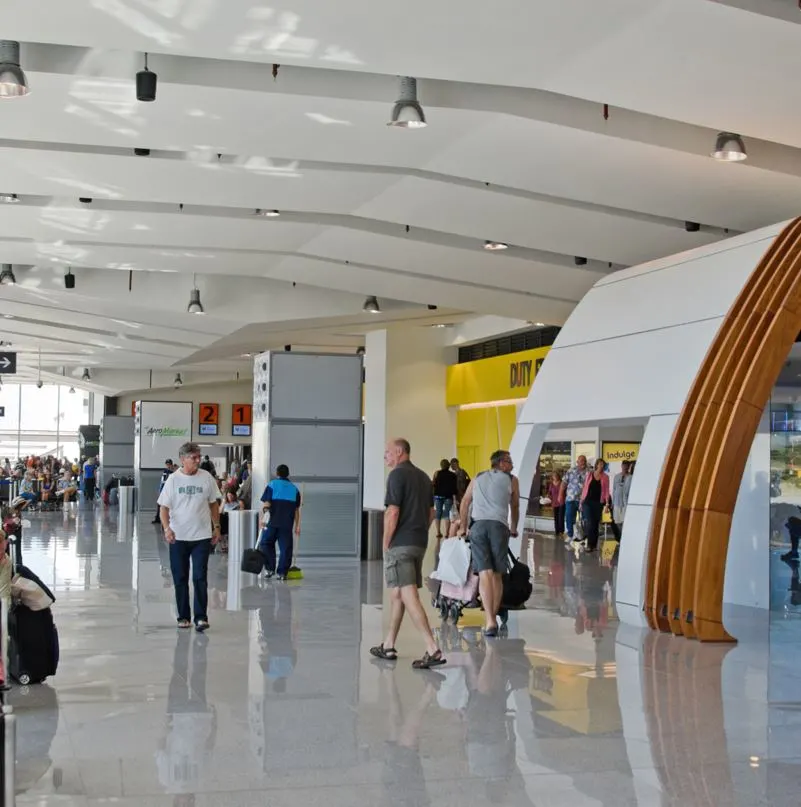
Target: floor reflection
280	701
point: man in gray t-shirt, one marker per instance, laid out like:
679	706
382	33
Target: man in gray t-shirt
492	494
407	520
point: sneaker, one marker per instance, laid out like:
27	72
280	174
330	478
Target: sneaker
268	574
790	555
281	577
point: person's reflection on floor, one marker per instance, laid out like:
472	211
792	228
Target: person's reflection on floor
593	607
277	636
795	580
403	777
491	739
185	751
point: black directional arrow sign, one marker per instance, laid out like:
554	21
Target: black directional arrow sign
8	363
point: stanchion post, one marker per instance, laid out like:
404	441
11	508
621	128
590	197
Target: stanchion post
5	603
9	755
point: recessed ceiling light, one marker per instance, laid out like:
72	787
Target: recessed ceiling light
371	306
539	324
439	325
270	214
9	198
495	246
729	148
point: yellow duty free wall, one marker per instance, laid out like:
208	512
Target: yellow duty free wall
486	393
479	432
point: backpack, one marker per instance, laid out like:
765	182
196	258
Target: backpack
517	585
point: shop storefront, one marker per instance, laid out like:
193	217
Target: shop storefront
488	394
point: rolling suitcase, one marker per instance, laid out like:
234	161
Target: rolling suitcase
33	648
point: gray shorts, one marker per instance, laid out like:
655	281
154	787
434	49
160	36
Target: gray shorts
403	566
489	543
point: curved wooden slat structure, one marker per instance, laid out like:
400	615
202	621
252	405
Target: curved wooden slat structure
713	436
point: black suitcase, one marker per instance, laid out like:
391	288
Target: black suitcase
252	561
517	585
33	649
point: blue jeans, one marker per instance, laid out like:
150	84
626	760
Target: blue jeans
181	552
283	536
571	511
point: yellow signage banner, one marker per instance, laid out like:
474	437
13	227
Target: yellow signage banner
500	378
617	452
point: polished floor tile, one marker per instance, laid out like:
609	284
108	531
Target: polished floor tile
281	703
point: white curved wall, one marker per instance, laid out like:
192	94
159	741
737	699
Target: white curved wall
628	354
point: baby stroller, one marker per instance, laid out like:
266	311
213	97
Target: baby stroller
451	600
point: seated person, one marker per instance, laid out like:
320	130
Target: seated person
67	487
46	488
27	489
231	502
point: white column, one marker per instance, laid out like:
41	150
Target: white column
405	371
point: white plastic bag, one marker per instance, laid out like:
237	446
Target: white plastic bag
454	562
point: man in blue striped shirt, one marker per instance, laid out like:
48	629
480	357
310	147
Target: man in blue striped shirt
282	499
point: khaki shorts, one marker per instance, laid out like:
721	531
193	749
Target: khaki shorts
403	566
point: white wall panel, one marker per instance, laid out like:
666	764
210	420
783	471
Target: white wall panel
625	377
656	440
696	289
633	553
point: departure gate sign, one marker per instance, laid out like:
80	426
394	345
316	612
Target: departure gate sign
208	419
241	420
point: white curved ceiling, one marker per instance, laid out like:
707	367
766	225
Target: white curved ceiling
517	150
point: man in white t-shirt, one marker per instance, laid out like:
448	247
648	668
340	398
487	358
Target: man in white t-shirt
190	515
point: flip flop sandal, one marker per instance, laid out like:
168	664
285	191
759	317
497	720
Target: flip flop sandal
384	653
184	624
428	661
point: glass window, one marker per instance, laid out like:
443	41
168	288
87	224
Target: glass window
73	412
9	399
41	421
39	408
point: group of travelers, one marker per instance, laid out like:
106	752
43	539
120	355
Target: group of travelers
584	493
48	481
413	503
192	500
190	513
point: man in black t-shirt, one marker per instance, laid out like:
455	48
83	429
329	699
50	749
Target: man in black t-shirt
407	520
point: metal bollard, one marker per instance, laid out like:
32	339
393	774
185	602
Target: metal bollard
8	755
5	604
127	494
243	533
375	535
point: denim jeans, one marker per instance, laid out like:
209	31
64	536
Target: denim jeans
571	511
283	536
181	552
